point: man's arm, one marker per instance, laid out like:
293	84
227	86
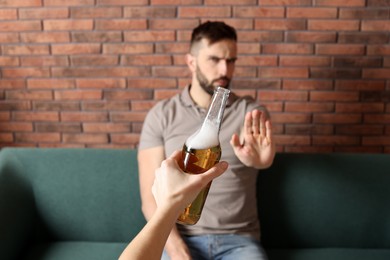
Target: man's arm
148	161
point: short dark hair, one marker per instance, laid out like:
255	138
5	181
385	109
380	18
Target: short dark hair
213	32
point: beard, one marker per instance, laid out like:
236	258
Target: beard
207	85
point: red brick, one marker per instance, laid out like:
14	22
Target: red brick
96	60
336	140
376	73
260	36
58	127
164	94
379	49
333	25
205	11
360	85
173	47
308	149
9	37
376	118
280	48
257	60
101	72
337	118
342	96
25	49
338	3
335	73
67	25
45	37
312	37
150	12
91	36
142	105
15	105
369	107
78	95
175	2
79	48
69	2
6	138
15	26
340	49
85	138
5	116
175	24
33	116
292	140
127	94
283	72
357	61
110	105
359	129
286	2
84	116
100	83
29	95
312	107
8	14
309	129
25	72
9	61
122	2
248	48
44	61
128	116
147	60
21	3
280	24
261	12
50	83
37	137
171	72
364	13
125	138
376	140
291	118
96	12
43	13
16	127
56	106
314	12
151	83
375	25
230	2
311	61
124	48
121	24
278	95
149	36
106	127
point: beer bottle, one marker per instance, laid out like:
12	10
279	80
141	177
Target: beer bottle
202	150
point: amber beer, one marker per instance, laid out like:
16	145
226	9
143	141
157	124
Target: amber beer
197	161
201	151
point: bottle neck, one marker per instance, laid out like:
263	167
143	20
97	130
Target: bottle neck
216	109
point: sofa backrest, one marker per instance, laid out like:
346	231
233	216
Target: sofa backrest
325	200
75	194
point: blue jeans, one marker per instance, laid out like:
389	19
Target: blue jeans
223	247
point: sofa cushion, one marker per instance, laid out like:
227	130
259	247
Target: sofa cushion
75	251
325	200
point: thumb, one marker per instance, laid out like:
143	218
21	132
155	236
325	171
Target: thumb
214	172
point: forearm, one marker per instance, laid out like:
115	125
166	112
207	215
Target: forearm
150	242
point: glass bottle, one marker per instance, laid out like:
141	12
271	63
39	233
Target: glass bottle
202	150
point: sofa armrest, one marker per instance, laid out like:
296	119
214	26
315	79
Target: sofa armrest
16	210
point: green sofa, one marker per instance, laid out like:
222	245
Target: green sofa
84	204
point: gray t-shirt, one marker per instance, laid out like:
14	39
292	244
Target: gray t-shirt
231	206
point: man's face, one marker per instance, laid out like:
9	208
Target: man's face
215	64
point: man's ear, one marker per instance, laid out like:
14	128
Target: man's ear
191	62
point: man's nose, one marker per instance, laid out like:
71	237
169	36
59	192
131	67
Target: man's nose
222	67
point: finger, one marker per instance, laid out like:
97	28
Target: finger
248	123
263	127
269	130
235	141
214	172
256	121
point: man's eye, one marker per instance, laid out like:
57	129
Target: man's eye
231	61
214	59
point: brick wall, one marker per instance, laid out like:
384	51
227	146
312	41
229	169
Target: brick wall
83	73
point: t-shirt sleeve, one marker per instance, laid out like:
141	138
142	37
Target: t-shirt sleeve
152	129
